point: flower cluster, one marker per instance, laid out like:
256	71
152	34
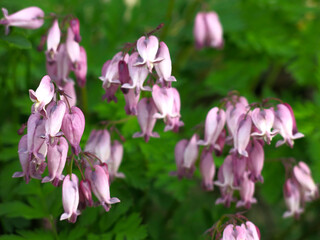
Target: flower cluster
52	127
248	131
208	31
298	189
64	57
129	72
61	58
245	231
237	227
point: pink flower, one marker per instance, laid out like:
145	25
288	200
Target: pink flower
303	176
137	73
115	160
226	173
164	101
215	121
73	48
99	144
173	120
242	134
68	89
233	114
110	70
31	18
179	158
63	64
36	136
70	198
207	169
255	161
75	26
57	156
146	109
132	99
85	193
73	127
285	123
246	192
99	181
148	48
164	67
292	198
186	154
53	40
24	159
55	117
110	88
81	68
43	95
263	120
208	30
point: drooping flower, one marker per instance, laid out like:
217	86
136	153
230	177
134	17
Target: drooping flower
137	73
24	159
145	110
207	169
75	26
214	124
186	154
42	96
53	40
57	156
73	127
292	198
303	176
81	68
70	92
85	195
256	161
110	70
164	67
115	160
30	18
72	47
172	121
132	99
242	134
263	120
55	117
246	192
147	48
164	101
70	198
207	30
284	122
99	144
99	181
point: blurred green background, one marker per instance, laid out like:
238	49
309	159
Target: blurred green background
272	49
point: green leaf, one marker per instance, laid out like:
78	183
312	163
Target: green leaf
10	237
16	40
130	228
19	209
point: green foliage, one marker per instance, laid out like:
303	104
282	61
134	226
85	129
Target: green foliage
271	50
